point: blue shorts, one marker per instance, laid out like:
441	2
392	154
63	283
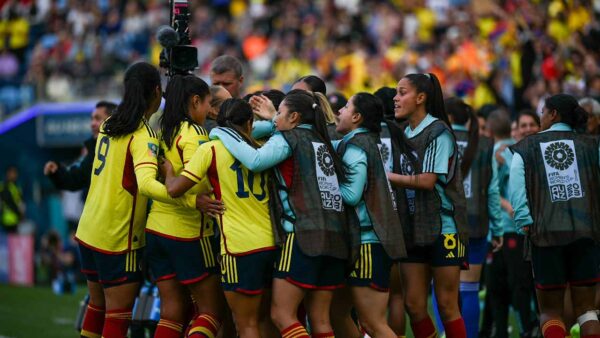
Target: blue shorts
372	268
478	250
111	269
446	250
187	261
316	273
248	274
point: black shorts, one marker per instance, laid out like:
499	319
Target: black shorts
111	269
187	261
372	268
248	274
447	250
315	273
576	264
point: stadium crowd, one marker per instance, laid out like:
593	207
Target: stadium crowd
464	94
517	51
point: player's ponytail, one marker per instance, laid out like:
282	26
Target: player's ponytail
141	81
462	114
371	109
307	105
235	114
569	110
180	89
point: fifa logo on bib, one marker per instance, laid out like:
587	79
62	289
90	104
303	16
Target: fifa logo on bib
385	149
329	188
407	168
562	171
462	146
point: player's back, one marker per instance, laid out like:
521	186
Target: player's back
114	214
174	220
245	224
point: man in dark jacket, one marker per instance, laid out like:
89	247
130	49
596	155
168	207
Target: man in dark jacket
77	176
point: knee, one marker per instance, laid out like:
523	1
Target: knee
280	316
447	306
171	310
415	306
372	325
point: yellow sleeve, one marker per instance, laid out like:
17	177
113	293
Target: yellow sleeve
198	165
191	143
144	150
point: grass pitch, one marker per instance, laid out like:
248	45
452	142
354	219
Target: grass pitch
37	312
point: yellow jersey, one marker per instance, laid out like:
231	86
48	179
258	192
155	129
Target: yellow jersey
246	224
114	214
174	221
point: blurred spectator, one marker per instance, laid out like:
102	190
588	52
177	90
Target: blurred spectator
60	260
512	54
12	208
592	107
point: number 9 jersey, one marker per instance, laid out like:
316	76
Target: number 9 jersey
246	224
114	215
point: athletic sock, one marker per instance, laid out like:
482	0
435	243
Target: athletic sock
93	322
205	325
323	335
469	297
424	328
116	323
554	328
168	329
455	328
295	330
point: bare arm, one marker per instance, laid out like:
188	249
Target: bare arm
425	181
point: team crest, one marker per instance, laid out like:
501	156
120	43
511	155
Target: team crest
152	150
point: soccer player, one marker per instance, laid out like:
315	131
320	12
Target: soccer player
553	179
310	217
180	242
397	315
218	95
480	182
111	228
311	83
432	183
509	275
247	242
370	193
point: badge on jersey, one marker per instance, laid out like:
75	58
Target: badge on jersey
331	195
152	149
407	168
562	171
385	148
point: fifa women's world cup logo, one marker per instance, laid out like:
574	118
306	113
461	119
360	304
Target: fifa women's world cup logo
559	156
562	171
325	161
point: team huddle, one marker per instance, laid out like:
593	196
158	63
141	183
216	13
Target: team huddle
278	215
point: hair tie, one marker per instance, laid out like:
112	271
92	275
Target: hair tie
314	106
428	76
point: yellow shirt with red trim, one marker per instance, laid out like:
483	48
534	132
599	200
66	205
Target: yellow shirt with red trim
246	224
176	221
123	177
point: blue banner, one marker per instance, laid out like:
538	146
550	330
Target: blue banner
64	130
